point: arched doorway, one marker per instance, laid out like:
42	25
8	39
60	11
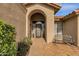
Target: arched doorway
37	22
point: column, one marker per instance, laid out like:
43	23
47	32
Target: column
50	28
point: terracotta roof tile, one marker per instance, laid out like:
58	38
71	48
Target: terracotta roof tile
57	6
54	5
75	12
59	17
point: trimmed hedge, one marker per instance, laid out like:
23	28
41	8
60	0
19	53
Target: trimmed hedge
7	39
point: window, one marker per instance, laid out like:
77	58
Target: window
58	30
59	27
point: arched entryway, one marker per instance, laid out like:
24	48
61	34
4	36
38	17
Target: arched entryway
37	24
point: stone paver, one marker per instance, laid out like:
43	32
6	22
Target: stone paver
41	48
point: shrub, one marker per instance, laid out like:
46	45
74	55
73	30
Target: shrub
24	46
27	40
7	42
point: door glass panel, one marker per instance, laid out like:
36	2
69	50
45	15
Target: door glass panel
37	30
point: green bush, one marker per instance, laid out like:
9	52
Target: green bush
27	40
24	46
7	40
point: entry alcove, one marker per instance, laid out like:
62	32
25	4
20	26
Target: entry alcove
37	25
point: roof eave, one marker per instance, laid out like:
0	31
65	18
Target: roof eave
56	6
74	13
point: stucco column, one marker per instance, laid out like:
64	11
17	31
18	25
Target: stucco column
27	25
50	28
78	31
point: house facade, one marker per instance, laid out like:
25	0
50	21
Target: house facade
37	20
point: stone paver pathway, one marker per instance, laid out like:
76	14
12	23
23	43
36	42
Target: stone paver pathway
41	48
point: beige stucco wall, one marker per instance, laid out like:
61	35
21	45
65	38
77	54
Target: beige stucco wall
77	30
48	13
15	15
70	28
